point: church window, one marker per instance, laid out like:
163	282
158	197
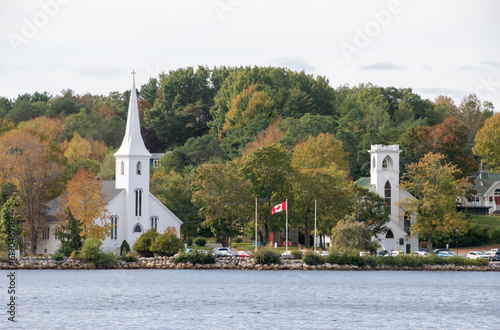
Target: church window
373	162
389	234
154	222
137	228
139	168
46	233
387	194
114	227
138	202
406	223
384	163
122	168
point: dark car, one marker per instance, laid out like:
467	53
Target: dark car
495	257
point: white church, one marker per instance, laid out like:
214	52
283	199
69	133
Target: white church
133	208
384	180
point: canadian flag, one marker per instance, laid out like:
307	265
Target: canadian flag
278	208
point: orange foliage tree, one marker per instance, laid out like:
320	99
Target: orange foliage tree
85	198
25	161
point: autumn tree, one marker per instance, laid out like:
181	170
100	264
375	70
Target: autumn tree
432	181
86	200
448	138
487	143
318	152
224	199
25	161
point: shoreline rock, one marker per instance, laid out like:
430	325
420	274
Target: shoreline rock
234	263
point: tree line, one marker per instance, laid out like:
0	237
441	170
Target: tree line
267	133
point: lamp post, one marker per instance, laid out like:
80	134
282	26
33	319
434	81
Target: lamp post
456	239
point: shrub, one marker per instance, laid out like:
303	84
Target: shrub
200	242
495	236
167	244
297	254
238	240
106	259
129	258
267	255
91	249
196	257
74	255
189	241
125	247
58	256
144	242
312	258
433	259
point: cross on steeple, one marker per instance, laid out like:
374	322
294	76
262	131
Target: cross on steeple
133	73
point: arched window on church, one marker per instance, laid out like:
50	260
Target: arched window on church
114	227
389	234
139	168
122	170
138	228
406	223
154	222
138	202
384	163
387	194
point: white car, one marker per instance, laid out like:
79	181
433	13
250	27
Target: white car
421	253
476	255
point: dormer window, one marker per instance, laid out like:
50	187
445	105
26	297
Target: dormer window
139	168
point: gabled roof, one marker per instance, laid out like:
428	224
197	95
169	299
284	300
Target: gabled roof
109	189
483	184
364	182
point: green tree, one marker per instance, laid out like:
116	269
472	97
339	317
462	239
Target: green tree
350	235
224	199
268	170
370	208
436	189
69	235
487	145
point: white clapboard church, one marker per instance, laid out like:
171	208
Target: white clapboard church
132	207
384	180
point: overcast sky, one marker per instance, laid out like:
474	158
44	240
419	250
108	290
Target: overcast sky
91	46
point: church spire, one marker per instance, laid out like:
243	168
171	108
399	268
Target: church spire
133	144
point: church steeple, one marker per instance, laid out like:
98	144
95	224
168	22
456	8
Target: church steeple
133	144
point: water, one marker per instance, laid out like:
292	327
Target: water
224	299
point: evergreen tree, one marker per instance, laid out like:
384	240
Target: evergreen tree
70	235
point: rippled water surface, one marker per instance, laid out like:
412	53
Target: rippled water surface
159	299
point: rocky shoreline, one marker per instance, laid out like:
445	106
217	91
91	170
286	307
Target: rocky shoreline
223	263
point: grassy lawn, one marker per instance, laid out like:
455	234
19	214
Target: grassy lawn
491	222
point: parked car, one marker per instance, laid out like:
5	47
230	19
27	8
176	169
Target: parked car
245	254
436	251
421	253
476	255
384	253
224	252
495	257
324	253
445	254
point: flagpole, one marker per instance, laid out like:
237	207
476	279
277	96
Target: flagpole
255	223
286	227
315	226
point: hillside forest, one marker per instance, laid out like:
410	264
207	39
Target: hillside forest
233	135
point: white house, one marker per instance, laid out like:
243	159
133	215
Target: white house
133	208
384	180
486	199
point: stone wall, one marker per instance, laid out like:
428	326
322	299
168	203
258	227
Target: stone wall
222	263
